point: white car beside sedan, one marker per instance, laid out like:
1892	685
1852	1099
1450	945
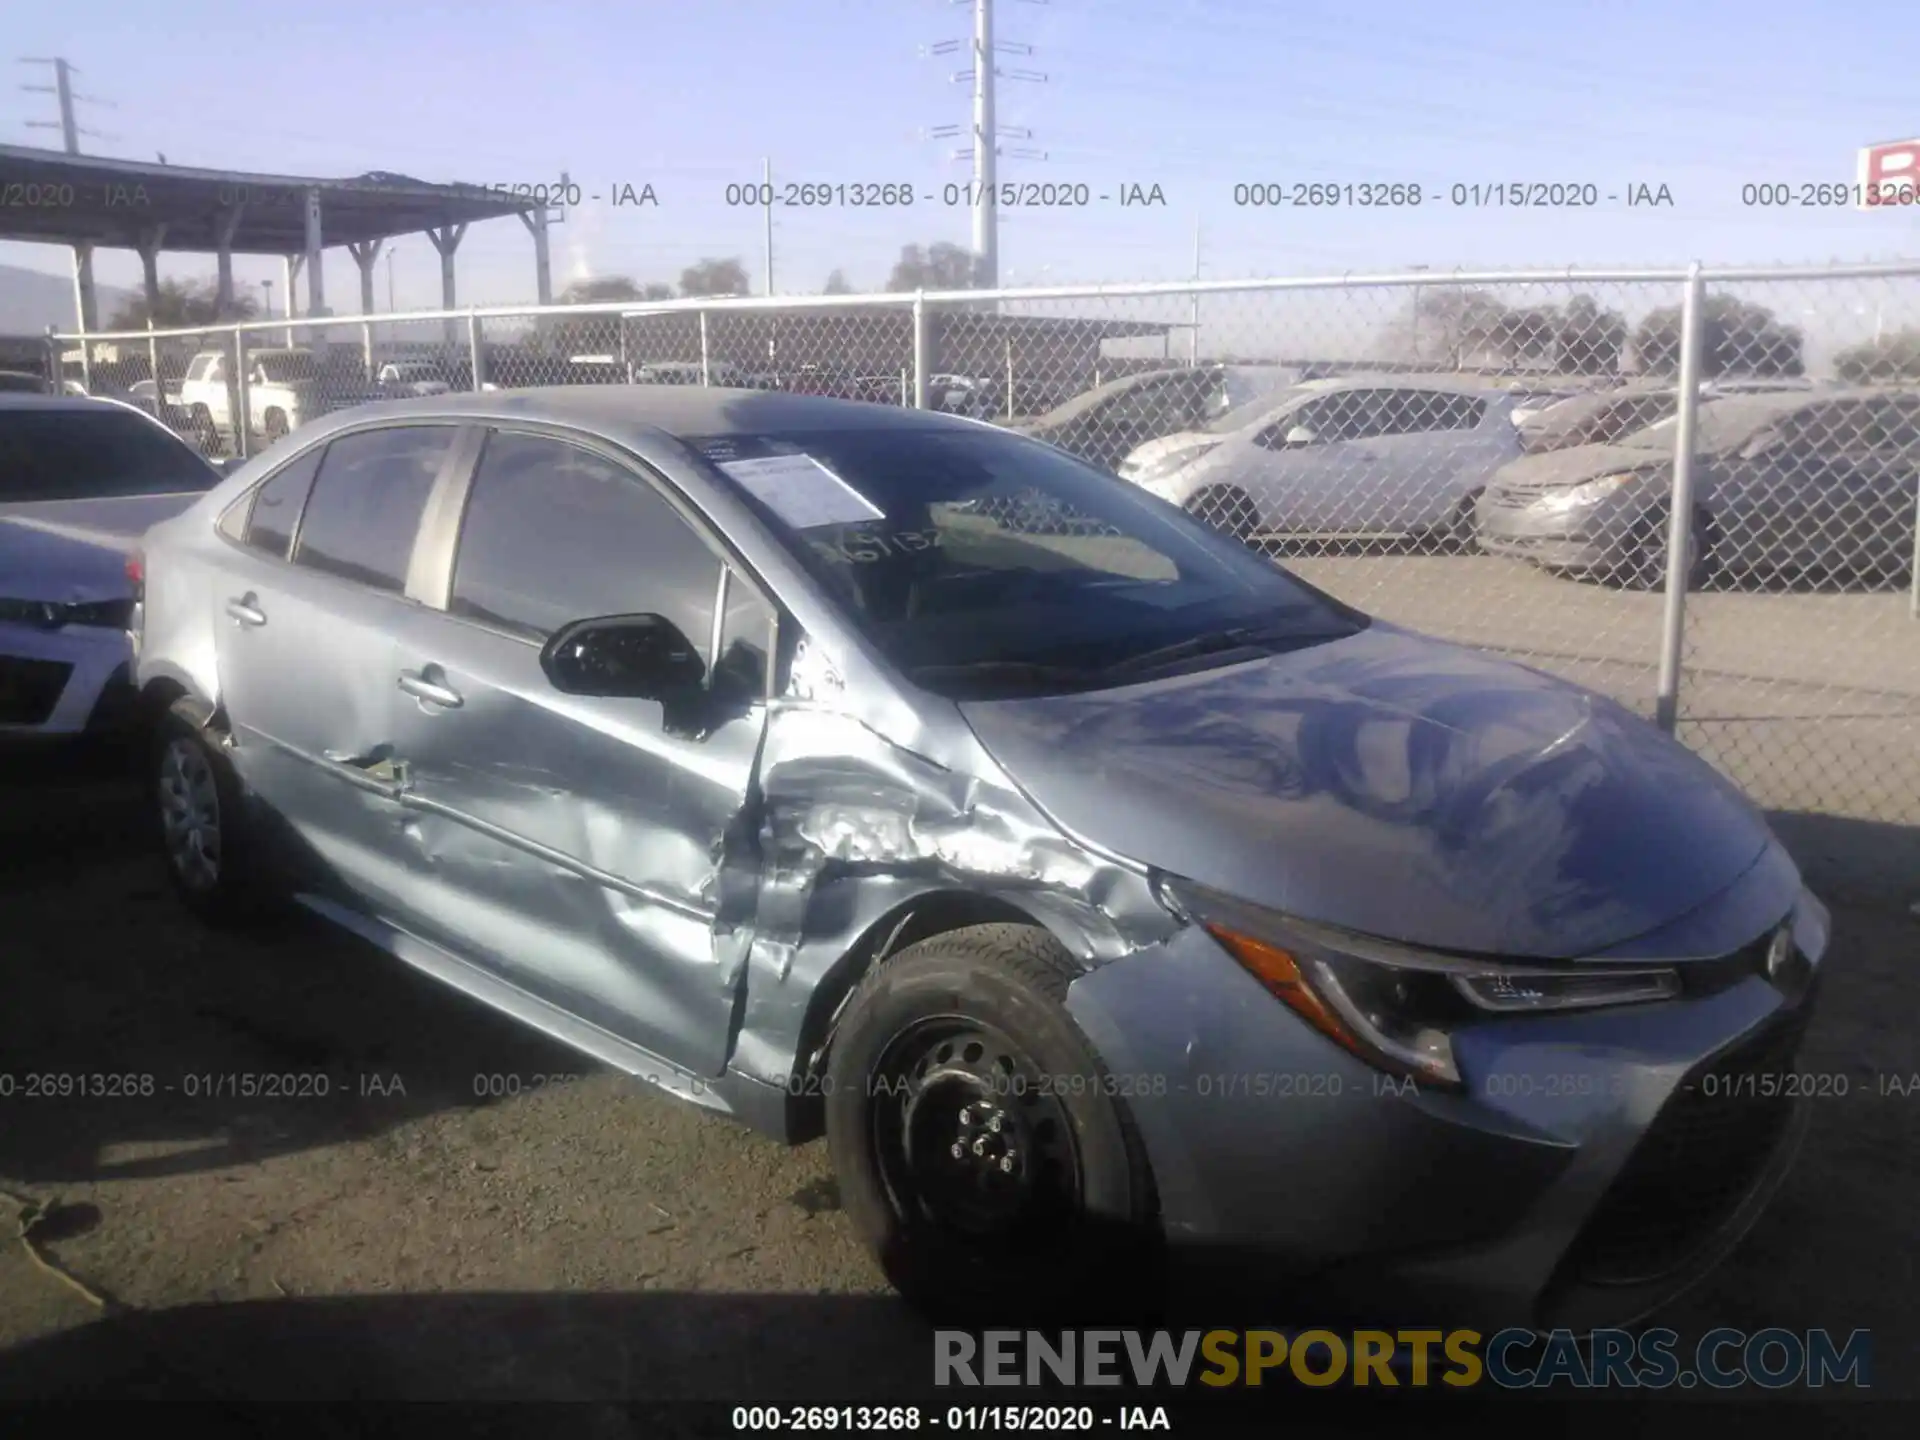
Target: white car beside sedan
1357	456
80	482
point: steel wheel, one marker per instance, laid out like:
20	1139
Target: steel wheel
190	814
969	1135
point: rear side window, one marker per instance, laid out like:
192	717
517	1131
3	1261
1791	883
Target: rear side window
276	505
554	533
367	501
93	452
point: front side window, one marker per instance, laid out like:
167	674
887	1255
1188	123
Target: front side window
554	533
88	453
277	504
980	562
367	501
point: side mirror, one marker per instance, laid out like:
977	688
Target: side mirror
631	657
1302	435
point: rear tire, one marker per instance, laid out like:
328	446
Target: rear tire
1644	566
276	427
200	814
981	1151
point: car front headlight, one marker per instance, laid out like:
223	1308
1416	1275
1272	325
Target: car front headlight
1395	1006
1589	492
1148	471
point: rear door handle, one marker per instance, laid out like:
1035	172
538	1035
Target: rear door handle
428	684
246	611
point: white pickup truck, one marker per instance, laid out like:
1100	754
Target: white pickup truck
285	389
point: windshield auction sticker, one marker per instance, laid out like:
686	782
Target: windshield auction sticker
802	491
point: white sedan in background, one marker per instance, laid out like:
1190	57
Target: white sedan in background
1355	456
80	482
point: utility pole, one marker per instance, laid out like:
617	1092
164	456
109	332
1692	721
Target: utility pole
766	194
1193	318
70	133
986	132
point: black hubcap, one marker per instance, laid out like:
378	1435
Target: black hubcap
969	1136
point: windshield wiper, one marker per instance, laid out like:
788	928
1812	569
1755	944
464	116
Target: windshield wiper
1004	670
1221	642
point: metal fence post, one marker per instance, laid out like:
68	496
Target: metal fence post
56	371
1666	709
706	353
366	348
1913	593
239	401
153	364
474	359
919	350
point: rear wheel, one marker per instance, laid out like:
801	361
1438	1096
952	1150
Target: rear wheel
1458	534
1227	508
206	434
982	1152
202	822
276	425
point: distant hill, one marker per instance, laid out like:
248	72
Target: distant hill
31	300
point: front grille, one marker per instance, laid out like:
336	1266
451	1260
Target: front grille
29	689
1695	1165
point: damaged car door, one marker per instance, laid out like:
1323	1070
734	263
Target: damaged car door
579	712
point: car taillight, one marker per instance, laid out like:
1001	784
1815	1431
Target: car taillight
137	574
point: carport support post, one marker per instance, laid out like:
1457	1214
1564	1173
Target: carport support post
366	254
148	247
920	350
86	302
153	364
224	227
1673	627
447	240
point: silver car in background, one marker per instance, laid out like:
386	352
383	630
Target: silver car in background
1096	892
1815	482
1356	456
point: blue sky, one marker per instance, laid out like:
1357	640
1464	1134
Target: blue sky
1192	95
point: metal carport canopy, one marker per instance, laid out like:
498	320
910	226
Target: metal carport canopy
118	203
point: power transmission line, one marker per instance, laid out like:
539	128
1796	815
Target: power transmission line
62	88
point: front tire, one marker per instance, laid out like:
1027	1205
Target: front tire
982	1151
201	817
276	426
1644	567
1226	508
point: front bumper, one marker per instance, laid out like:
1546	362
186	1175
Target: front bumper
1594	1166
1556	539
62	682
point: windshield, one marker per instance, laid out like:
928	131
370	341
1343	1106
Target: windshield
1719	427
982	552
284	369
92	454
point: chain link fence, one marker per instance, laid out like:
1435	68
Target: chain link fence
1692	490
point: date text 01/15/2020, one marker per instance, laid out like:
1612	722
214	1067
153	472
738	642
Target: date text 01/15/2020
902	194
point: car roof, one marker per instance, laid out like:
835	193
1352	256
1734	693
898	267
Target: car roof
1387	379
679	410
22	400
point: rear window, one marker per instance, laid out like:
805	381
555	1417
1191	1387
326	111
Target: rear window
92	454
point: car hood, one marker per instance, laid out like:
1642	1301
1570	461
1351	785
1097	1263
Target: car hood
1557	468
1396	786
75	550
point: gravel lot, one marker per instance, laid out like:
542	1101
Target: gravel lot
410	1234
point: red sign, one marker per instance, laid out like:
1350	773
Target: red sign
1890	174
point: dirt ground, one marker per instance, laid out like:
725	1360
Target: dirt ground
450	1221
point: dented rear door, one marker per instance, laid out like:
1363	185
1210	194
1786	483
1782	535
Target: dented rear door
574	845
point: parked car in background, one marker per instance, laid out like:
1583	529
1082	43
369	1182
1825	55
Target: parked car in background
1358	456
414	377
728	740
80	479
286	388
22	382
977	396
1783	481
1111	420
1596	418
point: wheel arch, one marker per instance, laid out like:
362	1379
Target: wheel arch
922	916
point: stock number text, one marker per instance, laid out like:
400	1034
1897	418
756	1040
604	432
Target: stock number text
1780	193
808	194
1273	195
